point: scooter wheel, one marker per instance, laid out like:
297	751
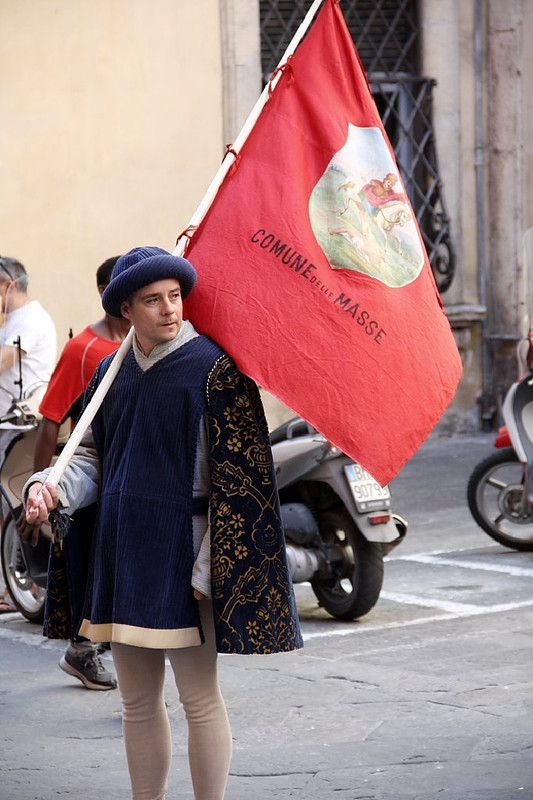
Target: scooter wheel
353	584
28	597
495	496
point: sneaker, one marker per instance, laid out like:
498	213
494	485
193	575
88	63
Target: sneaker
88	668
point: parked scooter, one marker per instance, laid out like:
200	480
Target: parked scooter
338	520
500	488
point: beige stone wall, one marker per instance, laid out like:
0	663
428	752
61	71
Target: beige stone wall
448	56
487	174
111	132
527	50
506	184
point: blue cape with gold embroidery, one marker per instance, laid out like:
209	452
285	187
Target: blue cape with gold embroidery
253	600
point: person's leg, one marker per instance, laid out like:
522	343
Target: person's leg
195	670
141	680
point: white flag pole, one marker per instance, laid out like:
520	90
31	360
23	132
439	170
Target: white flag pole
96	401
231	155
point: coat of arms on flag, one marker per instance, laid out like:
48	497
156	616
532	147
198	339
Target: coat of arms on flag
360	213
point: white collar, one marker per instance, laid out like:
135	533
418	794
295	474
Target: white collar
185	334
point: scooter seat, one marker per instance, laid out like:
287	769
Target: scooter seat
291	430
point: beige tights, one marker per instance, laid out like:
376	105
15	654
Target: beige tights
141	679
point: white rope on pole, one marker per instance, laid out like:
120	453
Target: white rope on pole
231	155
97	399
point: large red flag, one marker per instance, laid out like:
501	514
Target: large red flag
312	272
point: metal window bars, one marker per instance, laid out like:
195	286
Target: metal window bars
387	35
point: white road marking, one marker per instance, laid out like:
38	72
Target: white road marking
454	609
507	569
467	611
450	610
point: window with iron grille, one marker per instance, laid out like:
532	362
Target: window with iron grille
387	36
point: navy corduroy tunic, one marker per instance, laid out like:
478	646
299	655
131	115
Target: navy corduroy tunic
146	434
137	581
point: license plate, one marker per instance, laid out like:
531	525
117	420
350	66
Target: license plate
367	492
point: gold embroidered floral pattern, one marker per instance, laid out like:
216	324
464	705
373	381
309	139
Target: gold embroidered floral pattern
241	551
252	592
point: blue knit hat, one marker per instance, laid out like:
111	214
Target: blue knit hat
140	267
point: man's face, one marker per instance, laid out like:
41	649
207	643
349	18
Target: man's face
156	313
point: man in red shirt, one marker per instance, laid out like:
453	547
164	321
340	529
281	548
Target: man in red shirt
74	370
63	399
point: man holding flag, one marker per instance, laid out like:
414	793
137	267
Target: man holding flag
330	305
188	554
